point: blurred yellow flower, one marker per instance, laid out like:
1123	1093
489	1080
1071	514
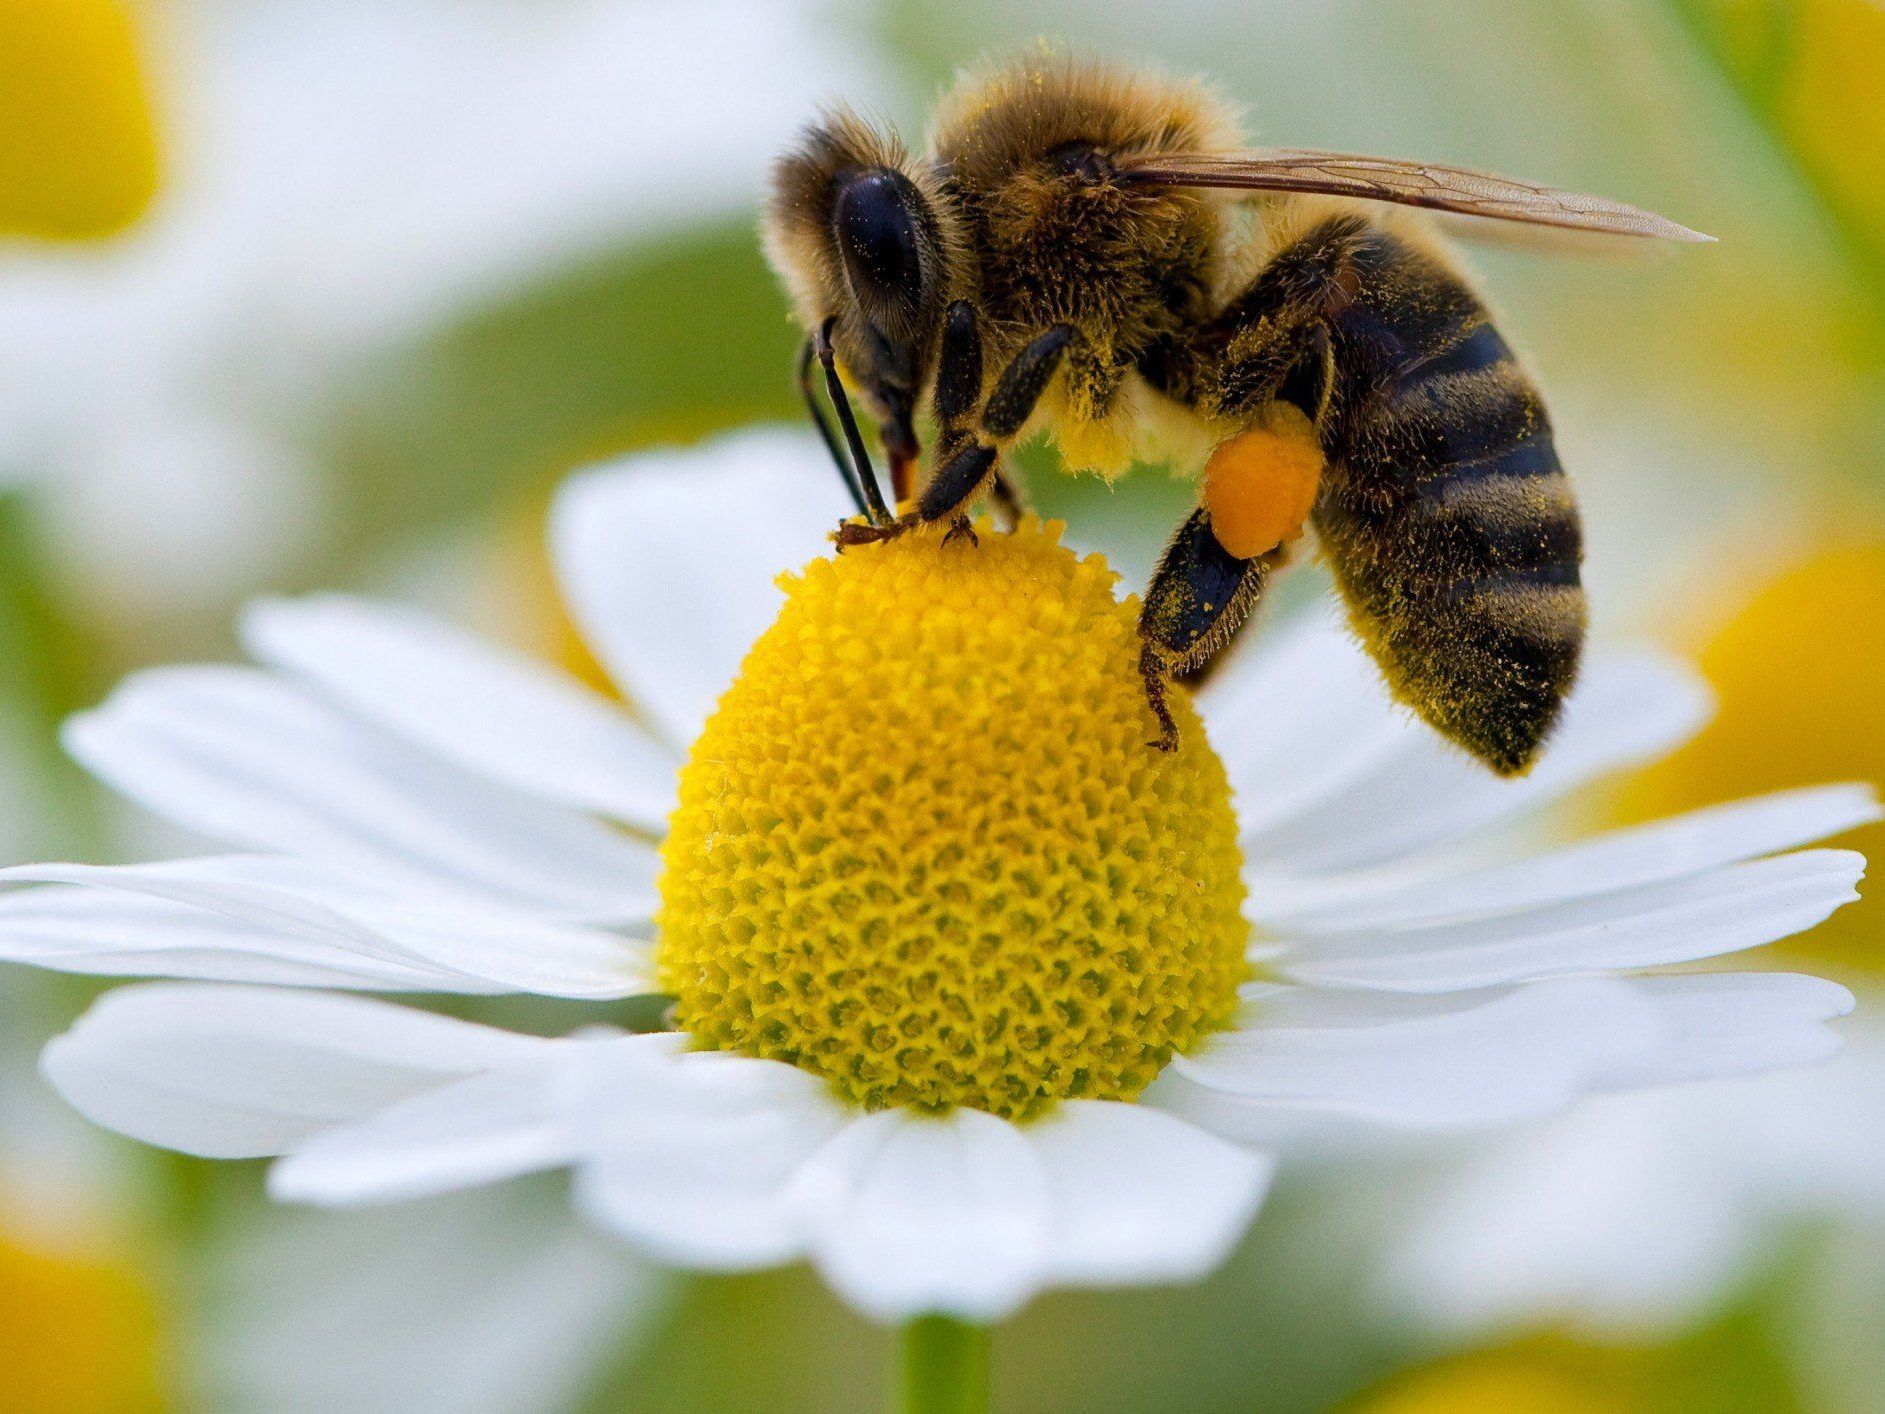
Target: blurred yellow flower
78	1331
1799	672
1833	102
1814	72
1532	1378
1729	1367
78	147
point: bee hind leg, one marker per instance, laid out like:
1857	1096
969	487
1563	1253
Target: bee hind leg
1199	597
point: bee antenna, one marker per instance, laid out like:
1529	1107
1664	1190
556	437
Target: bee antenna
825	434
854	439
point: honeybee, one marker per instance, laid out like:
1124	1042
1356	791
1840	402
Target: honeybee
1091	251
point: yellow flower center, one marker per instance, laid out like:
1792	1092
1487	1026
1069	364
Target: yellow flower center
924	848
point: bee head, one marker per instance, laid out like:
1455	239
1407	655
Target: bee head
864	238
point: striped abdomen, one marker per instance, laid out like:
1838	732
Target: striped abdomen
1444	512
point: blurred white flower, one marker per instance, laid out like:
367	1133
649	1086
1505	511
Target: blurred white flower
1638	1215
433	816
309	1313
340	175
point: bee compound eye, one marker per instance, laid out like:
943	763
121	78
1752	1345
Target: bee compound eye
875	224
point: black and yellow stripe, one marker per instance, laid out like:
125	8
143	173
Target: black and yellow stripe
1446	514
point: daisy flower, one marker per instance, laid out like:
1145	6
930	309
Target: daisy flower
972	993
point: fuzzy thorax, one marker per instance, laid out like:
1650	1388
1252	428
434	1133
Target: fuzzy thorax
924	850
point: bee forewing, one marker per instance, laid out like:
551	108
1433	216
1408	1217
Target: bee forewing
1427	184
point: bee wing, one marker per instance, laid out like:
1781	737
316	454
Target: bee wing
1543	240
1427	184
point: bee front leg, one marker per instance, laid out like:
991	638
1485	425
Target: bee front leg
971	455
943	497
1199	597
958	389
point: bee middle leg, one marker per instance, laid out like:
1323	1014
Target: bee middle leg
971	454
1007	497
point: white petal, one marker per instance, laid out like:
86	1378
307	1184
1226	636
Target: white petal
340	915
490	1127
1722	911
1668	849
722	1162
246	757
1298	718
500	715
474	1132
238	1072
668	560
1428	1062
71	929
1425	794
1138	1196
1735	1023
913	1213
693	1157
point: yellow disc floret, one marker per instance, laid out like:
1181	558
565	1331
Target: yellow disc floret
925	850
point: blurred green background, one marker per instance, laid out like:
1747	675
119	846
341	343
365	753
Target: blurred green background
314	293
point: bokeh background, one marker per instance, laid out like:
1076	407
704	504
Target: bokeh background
330	293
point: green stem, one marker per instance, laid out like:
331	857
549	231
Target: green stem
945	1367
